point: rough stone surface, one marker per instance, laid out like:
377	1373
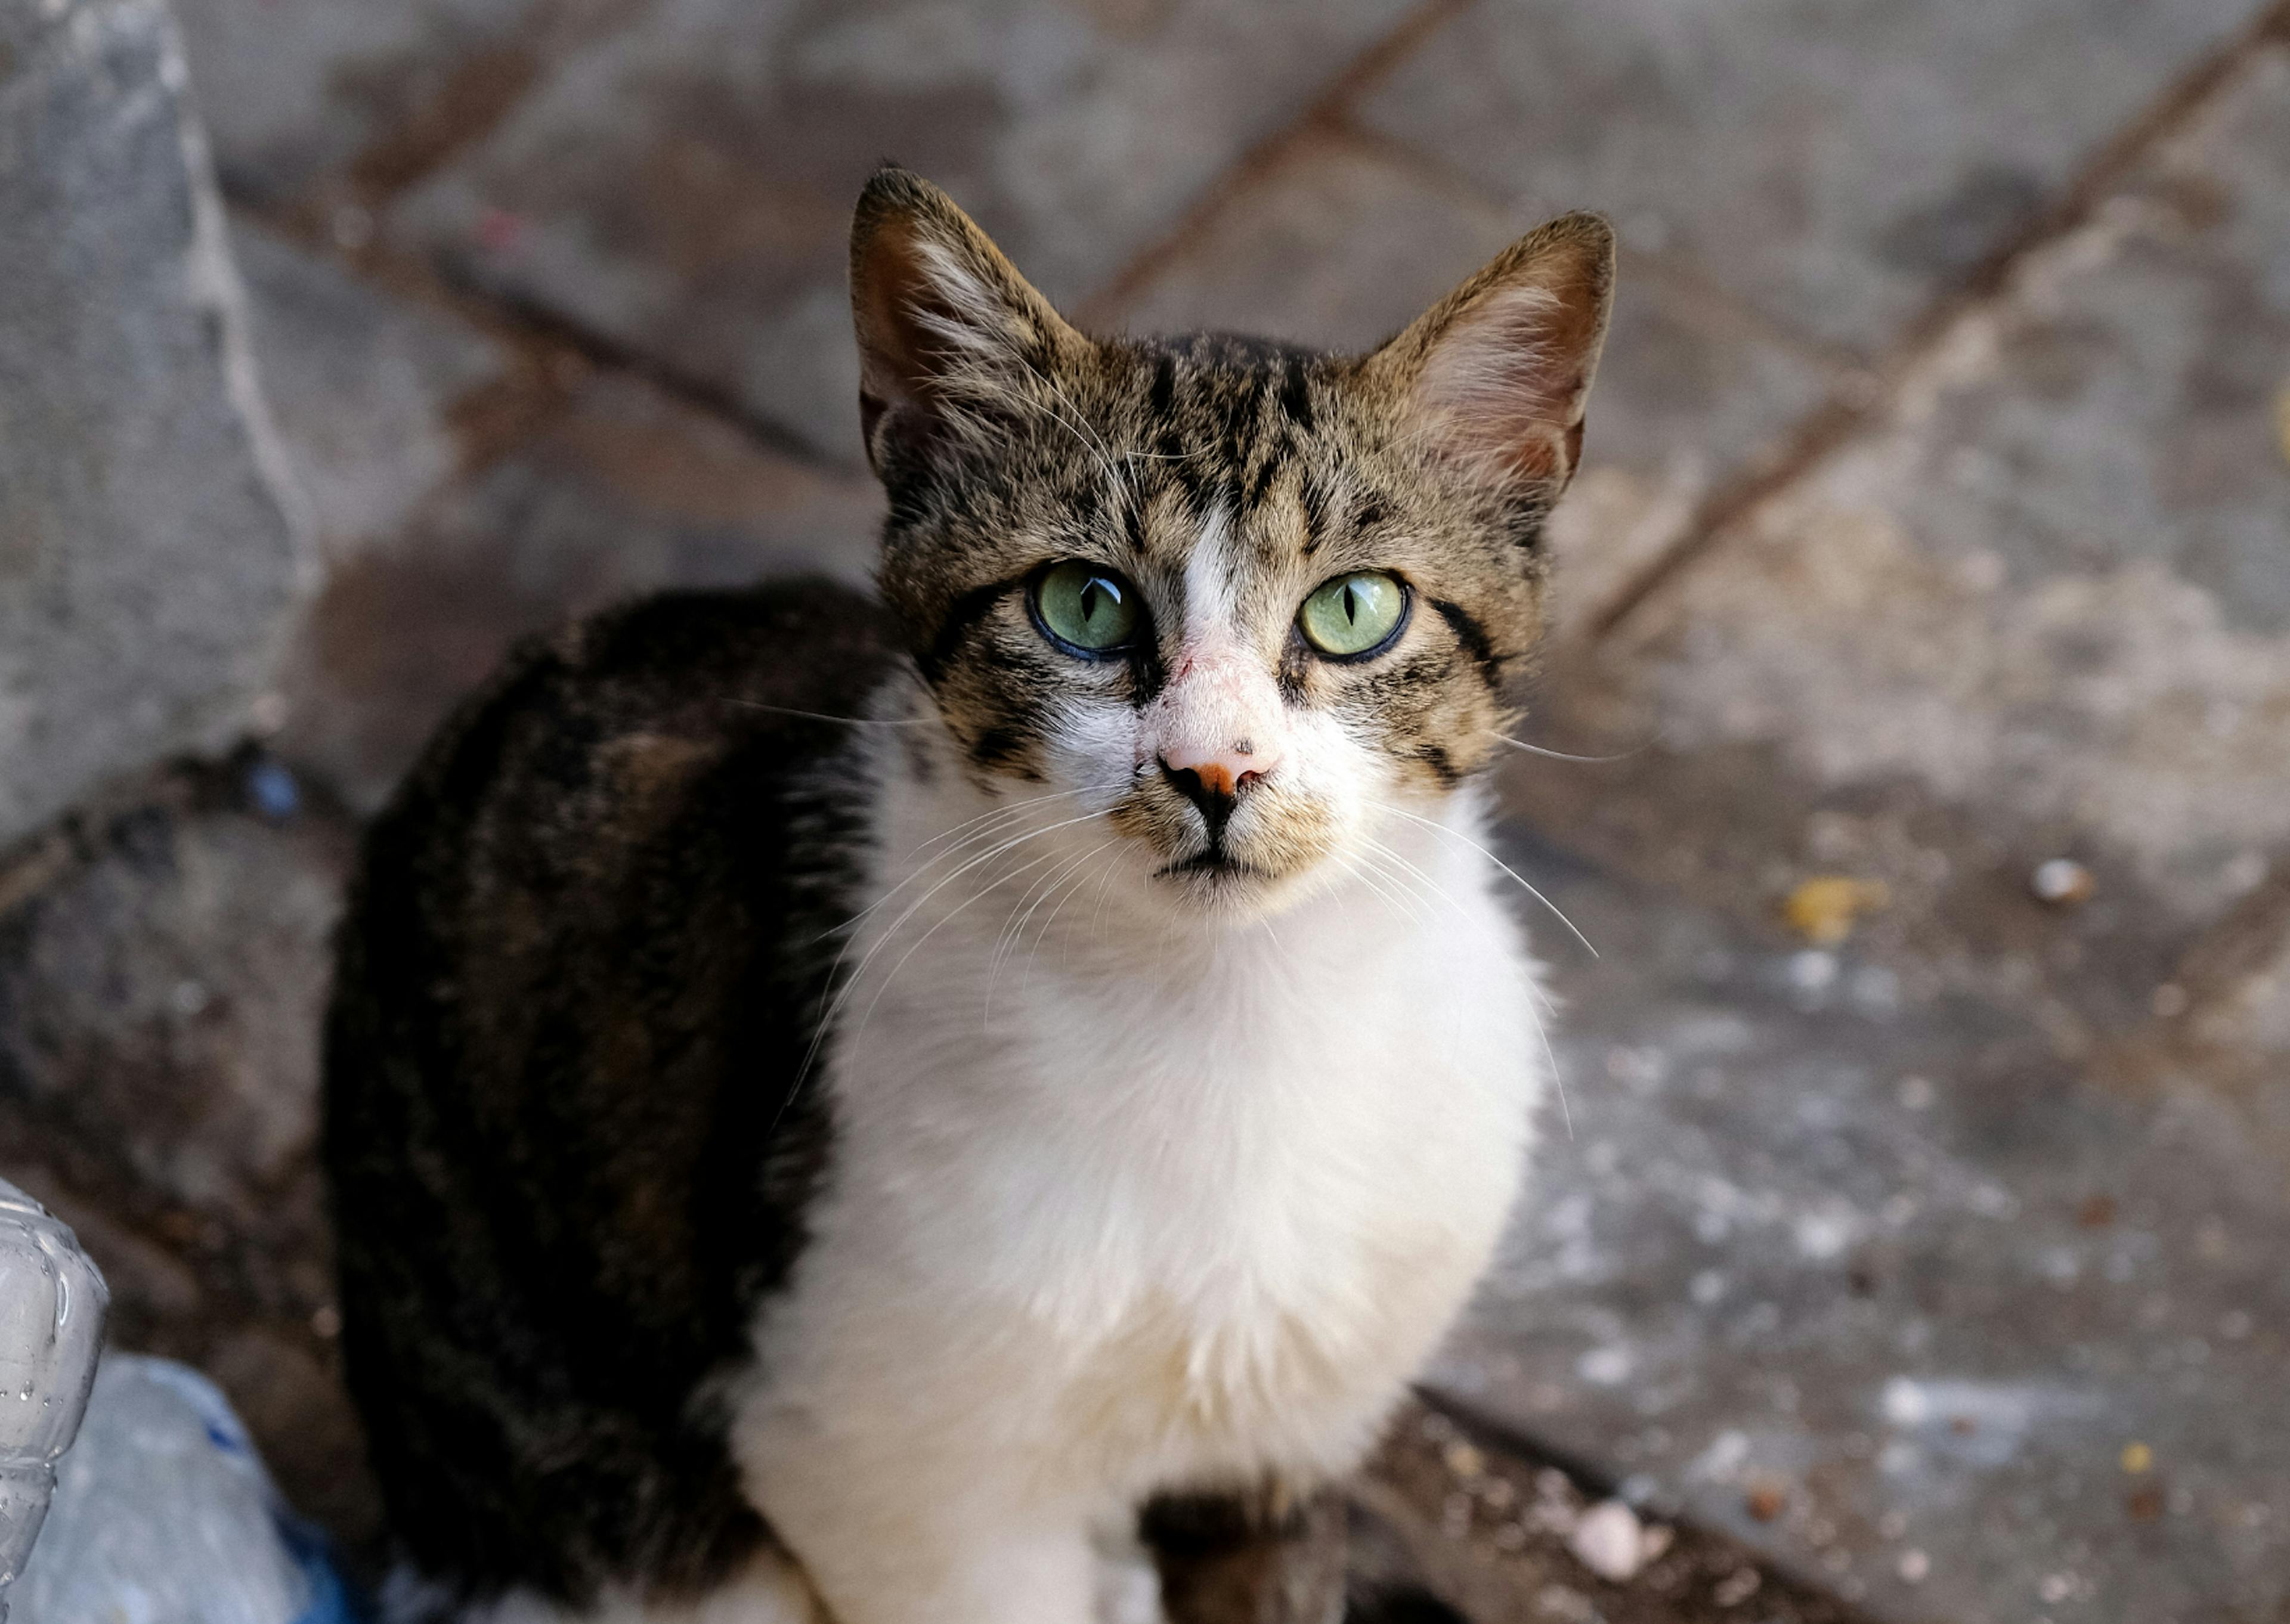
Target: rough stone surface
620	490
1939	1265
1852	1255
1488	1528
721	144
1835	167
2055	583
378	401
320	92
163	960
148	552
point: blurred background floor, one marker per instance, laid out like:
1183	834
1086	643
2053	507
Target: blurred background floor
1913	1238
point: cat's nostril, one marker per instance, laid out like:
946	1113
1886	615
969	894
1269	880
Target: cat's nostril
1212	787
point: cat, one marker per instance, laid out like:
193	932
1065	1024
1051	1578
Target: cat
833	1104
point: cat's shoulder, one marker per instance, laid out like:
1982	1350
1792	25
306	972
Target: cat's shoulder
606	728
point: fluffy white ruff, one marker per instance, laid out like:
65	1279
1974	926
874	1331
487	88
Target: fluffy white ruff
1122	1201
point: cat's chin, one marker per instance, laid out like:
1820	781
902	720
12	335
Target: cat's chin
1218	884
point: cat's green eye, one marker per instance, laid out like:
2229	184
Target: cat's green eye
1353	615
1088	609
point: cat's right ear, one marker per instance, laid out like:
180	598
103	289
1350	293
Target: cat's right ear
1495	376
952	338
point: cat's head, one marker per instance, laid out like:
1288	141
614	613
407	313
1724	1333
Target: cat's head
1243	603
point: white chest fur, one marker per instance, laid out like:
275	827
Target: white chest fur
1117	1207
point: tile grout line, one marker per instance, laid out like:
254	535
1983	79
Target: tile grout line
541	337
482	94
545	335
1837	421
1325	109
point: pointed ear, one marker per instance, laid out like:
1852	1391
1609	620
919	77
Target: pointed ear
1496	374
948	329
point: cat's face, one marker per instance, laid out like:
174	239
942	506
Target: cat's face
1239	609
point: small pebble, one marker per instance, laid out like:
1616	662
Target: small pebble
1568	1606
2062	882
2137	1458
1464	1460
1765	1500
2056	1588
326	1323
1608	1540
1736	1588
1823	909
1915	1566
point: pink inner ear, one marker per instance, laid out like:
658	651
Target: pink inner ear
1504	384
892	285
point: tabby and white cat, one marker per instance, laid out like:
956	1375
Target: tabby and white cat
788	1168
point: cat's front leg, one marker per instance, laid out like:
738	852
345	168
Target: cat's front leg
892	1546
1272	1557
906	1574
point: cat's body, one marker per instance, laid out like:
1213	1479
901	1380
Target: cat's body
823	1100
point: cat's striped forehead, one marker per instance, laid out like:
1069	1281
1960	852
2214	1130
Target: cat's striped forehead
1277	459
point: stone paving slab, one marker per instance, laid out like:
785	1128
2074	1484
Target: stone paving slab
1870	1277
720	146
472	485
1943	1263
2054	584
623	491
294	94
1838	167
151	551
376	397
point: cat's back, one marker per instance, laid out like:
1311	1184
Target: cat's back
579	982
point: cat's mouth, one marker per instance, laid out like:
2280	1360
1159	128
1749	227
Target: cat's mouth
1214	862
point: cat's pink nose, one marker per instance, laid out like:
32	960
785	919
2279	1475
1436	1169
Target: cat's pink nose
1222	773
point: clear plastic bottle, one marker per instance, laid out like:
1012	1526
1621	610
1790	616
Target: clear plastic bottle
52	1310
164	1515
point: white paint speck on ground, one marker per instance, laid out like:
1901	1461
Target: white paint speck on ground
1609	1540
1608	1366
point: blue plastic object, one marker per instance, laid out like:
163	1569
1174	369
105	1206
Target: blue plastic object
164	1515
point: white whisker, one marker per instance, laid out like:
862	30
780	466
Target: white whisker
1550	755
821	715
1456	834
843	993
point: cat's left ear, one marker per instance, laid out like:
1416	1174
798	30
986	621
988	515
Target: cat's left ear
1496	375
952	338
